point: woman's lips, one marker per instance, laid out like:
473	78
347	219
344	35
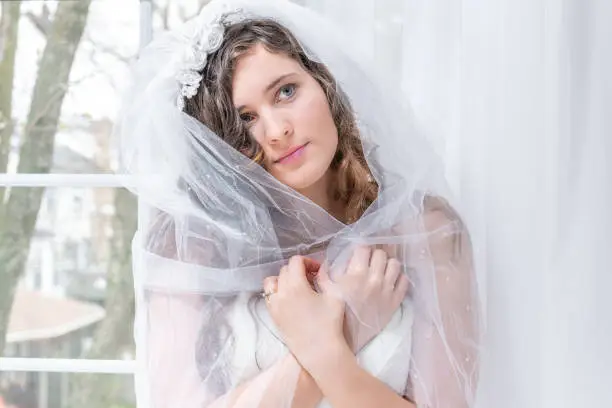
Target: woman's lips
296	154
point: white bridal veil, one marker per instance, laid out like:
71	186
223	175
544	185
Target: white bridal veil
214	224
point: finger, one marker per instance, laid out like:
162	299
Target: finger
392	272
378	264
388	249
270	284
283	276
295	274
393	251
401	287
360	261
324	282
270	288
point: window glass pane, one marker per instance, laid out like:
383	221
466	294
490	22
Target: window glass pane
66	390
168	14
74	295
94	78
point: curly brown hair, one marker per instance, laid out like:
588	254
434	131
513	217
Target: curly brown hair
354	186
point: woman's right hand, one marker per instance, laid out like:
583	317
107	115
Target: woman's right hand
373	288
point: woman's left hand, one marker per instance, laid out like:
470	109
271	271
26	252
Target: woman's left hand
310	323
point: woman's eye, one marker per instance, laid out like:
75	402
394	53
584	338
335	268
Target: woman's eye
286	91
247	117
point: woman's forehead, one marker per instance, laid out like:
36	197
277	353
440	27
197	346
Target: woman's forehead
257	70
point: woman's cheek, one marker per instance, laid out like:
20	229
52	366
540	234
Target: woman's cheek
309	106
256	131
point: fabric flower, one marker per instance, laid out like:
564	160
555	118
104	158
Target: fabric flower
188	77
203	36
214	38
194	58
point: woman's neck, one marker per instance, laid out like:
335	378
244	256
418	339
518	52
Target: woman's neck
320	194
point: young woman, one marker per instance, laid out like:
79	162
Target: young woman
298	251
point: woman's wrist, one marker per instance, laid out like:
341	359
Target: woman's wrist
307	393
330	358
344	383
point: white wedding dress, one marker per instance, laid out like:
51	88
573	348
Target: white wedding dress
386	357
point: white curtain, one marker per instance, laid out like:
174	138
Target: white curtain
517	97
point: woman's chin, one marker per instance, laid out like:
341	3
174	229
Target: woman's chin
299	185
305	180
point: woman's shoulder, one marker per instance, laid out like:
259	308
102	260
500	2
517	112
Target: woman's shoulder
448	235
439	213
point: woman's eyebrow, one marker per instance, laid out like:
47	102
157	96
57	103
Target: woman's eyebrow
278	80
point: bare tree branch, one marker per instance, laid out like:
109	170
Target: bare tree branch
163	12
183	14
41	21
105	49
202	4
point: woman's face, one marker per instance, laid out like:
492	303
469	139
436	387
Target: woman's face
288	114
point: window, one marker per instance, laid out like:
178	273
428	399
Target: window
62	227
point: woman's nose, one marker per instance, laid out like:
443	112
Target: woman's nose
277	128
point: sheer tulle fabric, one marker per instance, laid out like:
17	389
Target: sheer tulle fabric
214	225
516	96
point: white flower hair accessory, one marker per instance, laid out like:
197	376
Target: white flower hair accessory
203	35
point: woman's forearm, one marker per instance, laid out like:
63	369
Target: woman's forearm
284	381
174	373
307	393
346	385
